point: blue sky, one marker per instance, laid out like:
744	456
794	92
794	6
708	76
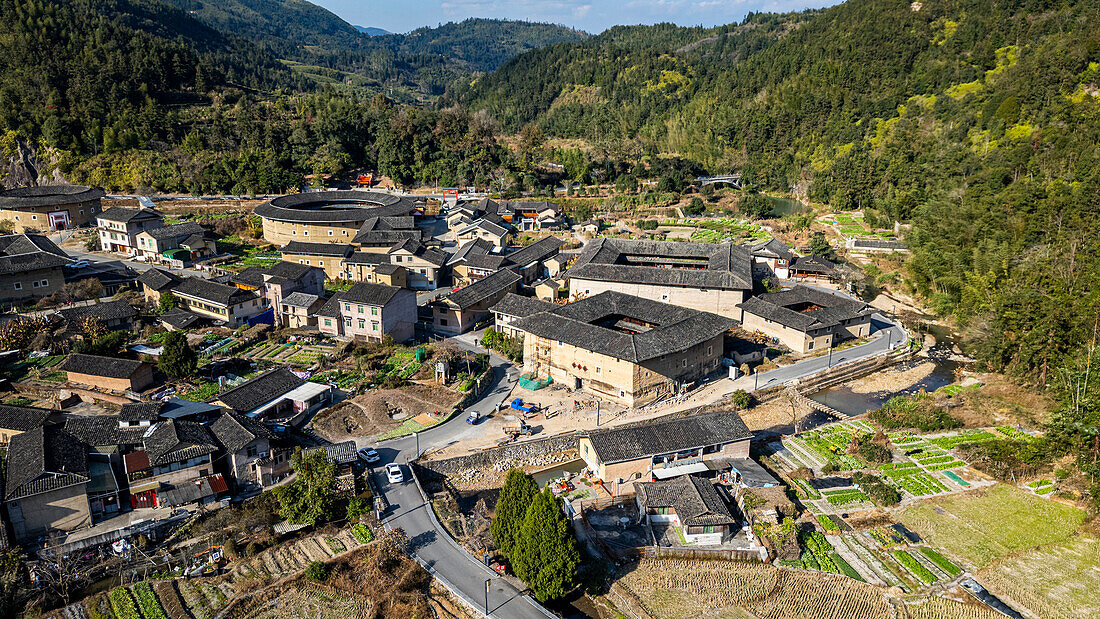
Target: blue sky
590	15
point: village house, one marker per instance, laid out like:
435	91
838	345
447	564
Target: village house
108	373
114	315
513	307
529	262
628	349
300	310
120	226
175	244
805	319
459	311
30	268
156	282
49	207
692	504
772	257
665	448
277	397
813	269
15	420
279	280
524	216
370	312
327	256
46	483
215	301
702	276
174	456
381	233
245	442
500	235
863	247
422	265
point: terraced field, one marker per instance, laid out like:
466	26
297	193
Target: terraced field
1058	580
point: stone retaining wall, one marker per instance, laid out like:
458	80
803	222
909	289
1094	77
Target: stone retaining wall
512	451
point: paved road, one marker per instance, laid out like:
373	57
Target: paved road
889	336
431	544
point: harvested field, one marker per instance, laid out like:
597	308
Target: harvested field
941	608
374	412
675	589
170	599
981	525
1057	580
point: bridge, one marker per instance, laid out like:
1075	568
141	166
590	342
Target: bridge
730	179
798	397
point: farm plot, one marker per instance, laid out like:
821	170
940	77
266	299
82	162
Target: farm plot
1057	580
680	589
934	607
981	525
313	602
828	444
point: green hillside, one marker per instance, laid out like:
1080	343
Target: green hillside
295	22
976	121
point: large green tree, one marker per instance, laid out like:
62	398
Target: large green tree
516	495
177	359
308	499
545	554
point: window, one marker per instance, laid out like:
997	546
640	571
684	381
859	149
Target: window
597	369
710	350
347	322
305	232
35	285
34	217
374	325
328	322
374	311
664	298
360	309
443	322
300	261
345	232
251	451
810	346
347	307
362	323
294	232
18	285
307	261
683	363
397	259
330	232
423	272
560	343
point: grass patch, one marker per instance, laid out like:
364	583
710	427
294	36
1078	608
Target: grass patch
981	526
941	561
362	533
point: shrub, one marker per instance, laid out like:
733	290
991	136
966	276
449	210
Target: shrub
914	412
874	487
742	398
316	571
362	533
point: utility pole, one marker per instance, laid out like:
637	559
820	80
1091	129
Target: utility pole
416	435
597	413
487	581
830	353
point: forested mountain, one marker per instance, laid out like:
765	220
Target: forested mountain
371	30
977	121
479	44
294	22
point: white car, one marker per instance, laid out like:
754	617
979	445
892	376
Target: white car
394	474
78	264
369	455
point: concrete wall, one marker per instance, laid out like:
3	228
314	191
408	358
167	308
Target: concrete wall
713	300
37	218
65	510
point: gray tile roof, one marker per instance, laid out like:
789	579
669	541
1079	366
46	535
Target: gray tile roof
695	500
370	294
483	289
722	266
124	215
489	262
805	309
98	431
212	292
338	453
107	312
484	224
140	411
234	432
22	253
335	206
180	318
175	231
331	308
336	250
773	248
251	394
44	459
589	323
382	238
300	299
22	418
388	269
177	441
521	307
470	248
47	195
434	256
279	272
158	279
812	264
877	244
367	257
93	365
651	438
538	251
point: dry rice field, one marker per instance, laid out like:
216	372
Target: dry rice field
1055	581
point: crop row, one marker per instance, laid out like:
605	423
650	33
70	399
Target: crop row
943	467
123	604
914	566
853	496
950	442
147	601
941	561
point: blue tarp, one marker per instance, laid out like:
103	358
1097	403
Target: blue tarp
263	318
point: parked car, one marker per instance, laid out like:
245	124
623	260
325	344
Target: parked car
394	474
473	417
76	265
369	455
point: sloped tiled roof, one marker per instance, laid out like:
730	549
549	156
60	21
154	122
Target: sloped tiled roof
158	279
300	299
235	432
123	214
651	438
470	248
301	248
98	431
370	294
213	292
249	395
93	365
140	411
521	307
177	441
804	308
695	500
773	248
22	418
106	312
723	266
483	289
44	459
537	251
434	256
588	324
21	253
180	318
812	264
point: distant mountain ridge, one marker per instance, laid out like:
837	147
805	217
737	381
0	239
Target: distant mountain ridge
371	31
